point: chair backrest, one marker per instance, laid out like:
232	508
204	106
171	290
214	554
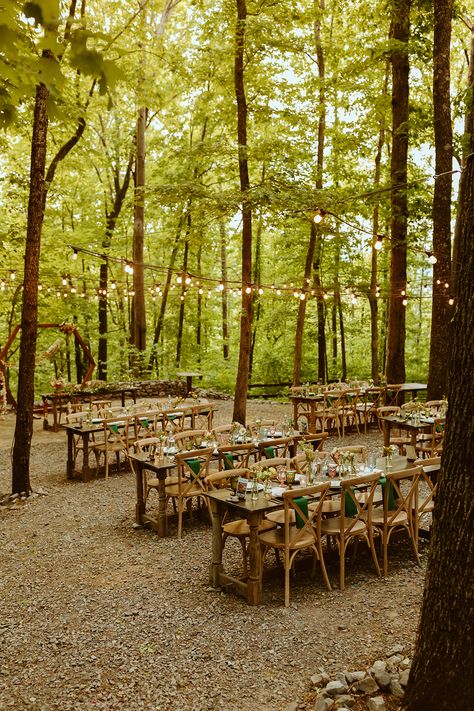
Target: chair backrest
221	433
316	440
147	444
279	447
354	508
401	494
193	468
308	520
233	456
356	449
300	461
173	420
271	462
190	439
116	433
428	482
221	479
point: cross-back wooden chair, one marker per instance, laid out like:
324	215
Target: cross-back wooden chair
397	437
278	447
400	509
152	447
315	439
434	443
371	399
235	456
291	538
193	468
221	433
115	442
190	439
238	529
428	486
173	421
355	520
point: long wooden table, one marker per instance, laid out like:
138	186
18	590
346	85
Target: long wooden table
253	511
413	429
56	401
161	468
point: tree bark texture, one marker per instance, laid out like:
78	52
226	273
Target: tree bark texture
179	335
322	363
298	357
441	310
225	297
138	305
29	313
441	676
399	32
242	380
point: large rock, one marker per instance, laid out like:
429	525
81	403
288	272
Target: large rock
396	688
383	679
404	677
319	679
323	704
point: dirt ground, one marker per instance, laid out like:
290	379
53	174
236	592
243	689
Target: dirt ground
96	614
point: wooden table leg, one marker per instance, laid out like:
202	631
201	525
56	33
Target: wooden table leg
254	582
140	504
86	472
386	433
216	567
70	456
162	516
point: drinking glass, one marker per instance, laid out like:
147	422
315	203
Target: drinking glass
371	462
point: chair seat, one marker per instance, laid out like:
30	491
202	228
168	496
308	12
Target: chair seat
276	538
240	528
278	517
154	483
399	520
329	506
173	490
362	497
332	526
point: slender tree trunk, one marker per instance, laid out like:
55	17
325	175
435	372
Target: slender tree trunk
242	381
225	293
441	310
400	31
179	337
256	301
322	364
164	299
29	312
199	310
373	302
343	339
298	357
441	675
138	333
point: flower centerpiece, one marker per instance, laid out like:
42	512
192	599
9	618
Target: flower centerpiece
388	453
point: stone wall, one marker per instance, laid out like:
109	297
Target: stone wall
172	388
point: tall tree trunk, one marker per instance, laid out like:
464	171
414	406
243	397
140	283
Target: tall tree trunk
199	310
164	299
242	380
256	300
138	334
371	295
29	312
322	364
179	337
225	293
441	310
343	338
441	675
399	32
298	357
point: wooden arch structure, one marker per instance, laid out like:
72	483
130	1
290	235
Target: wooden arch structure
66	328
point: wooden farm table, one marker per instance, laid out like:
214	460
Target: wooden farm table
161	468
395	393
408	426
85	432
306	406
253	511
58	400
189	378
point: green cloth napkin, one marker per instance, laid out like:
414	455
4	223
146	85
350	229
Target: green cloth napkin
350	509
302	502
195	465
114	428
391	498
145	422
228	460
269	451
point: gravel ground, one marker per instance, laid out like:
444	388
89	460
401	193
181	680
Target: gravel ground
95	614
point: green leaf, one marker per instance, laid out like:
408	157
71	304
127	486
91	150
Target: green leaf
88	62
44	12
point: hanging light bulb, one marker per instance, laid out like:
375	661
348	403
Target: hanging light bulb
248	290
378	244
431	257
260	291
405	302
319	216
187	280
74	253
302	296
12	275
451	301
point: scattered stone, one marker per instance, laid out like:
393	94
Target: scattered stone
404	677
367	685
396	649
355	676
346	700
323	704
377	666
396	689
292	707
336	687
319	679
376	703
383	679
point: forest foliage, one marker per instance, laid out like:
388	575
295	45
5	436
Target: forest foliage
176	59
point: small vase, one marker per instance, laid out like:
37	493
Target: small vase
254	491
